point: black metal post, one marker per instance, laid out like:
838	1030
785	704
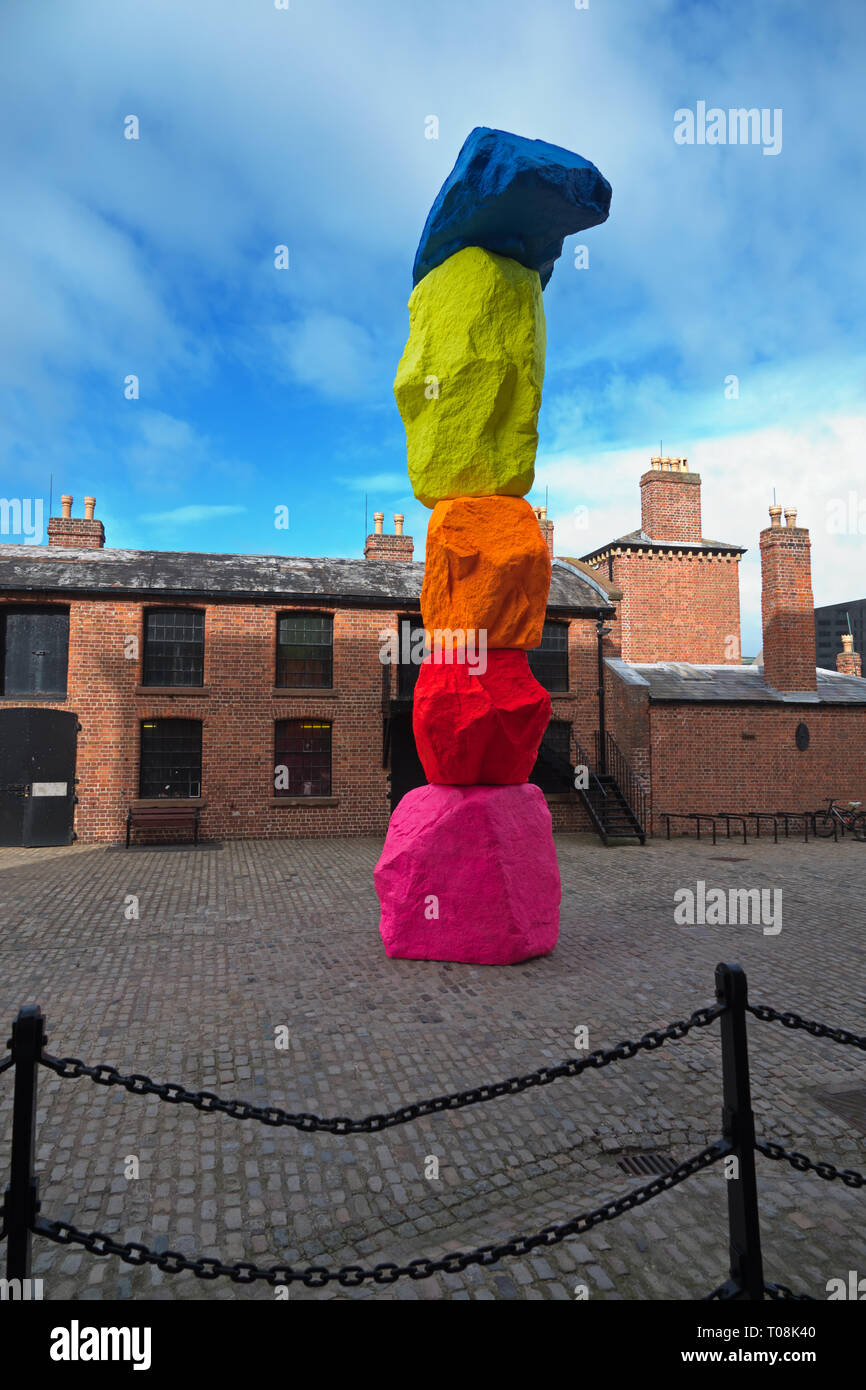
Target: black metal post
738	1127
602	740
22	1200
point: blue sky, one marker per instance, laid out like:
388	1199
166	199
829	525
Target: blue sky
306	127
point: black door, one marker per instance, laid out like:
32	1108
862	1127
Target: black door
406	767
37	776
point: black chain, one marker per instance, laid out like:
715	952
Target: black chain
350	1276
825	1170
724	1291
818	1030
782	1291
141	1085
7	1062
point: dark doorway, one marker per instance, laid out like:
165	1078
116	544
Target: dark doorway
37	776
406	769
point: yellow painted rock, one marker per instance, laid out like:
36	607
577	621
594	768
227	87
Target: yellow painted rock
487	568
469	382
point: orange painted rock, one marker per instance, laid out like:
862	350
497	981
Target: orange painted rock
479	725
487	568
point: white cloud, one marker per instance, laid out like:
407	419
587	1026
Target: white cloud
329	353
810	464
191	515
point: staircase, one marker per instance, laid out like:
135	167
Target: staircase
614	798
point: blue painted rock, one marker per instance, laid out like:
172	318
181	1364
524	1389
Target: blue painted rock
515	197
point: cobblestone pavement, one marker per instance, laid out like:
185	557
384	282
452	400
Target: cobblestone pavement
235	940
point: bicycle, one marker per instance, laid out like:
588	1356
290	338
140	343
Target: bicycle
850	817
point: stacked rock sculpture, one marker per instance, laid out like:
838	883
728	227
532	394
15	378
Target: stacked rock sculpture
469	871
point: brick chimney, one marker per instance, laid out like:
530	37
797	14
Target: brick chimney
848	661
379	546
787	606
546	527
670	501
78	533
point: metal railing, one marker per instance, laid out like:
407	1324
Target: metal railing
21	1218
609	757
776	821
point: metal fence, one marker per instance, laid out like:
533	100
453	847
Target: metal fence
737	1144
746	822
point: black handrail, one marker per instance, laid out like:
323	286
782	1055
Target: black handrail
583	760
625	778
584	792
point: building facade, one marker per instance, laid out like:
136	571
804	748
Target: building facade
253	687
831	625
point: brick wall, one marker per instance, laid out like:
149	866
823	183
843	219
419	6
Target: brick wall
380	547
849	662
627	718
787	606
579	706
74	532
677	606
755	763
238	709
670	503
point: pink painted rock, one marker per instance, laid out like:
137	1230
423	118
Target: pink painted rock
473	727
469	874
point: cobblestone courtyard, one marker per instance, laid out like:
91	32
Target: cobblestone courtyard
235	940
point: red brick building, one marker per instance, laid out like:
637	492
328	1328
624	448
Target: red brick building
251	687
680	591
702	732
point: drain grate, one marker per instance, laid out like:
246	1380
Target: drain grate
646	1165
851	1105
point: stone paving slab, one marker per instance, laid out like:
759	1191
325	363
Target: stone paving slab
234	941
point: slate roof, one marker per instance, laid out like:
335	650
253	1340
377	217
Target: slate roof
189	574
640	538
678	680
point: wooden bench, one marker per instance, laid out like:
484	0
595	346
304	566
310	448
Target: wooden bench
162	818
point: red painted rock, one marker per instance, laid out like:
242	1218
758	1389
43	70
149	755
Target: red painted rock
469	874
476	726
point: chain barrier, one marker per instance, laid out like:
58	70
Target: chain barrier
350	1276
315	1276
828	1171
176	1094
818	1030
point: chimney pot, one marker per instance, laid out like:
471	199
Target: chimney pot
849	662
790	516
378	518
66	505
398	523
670	500
775	515
89	505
